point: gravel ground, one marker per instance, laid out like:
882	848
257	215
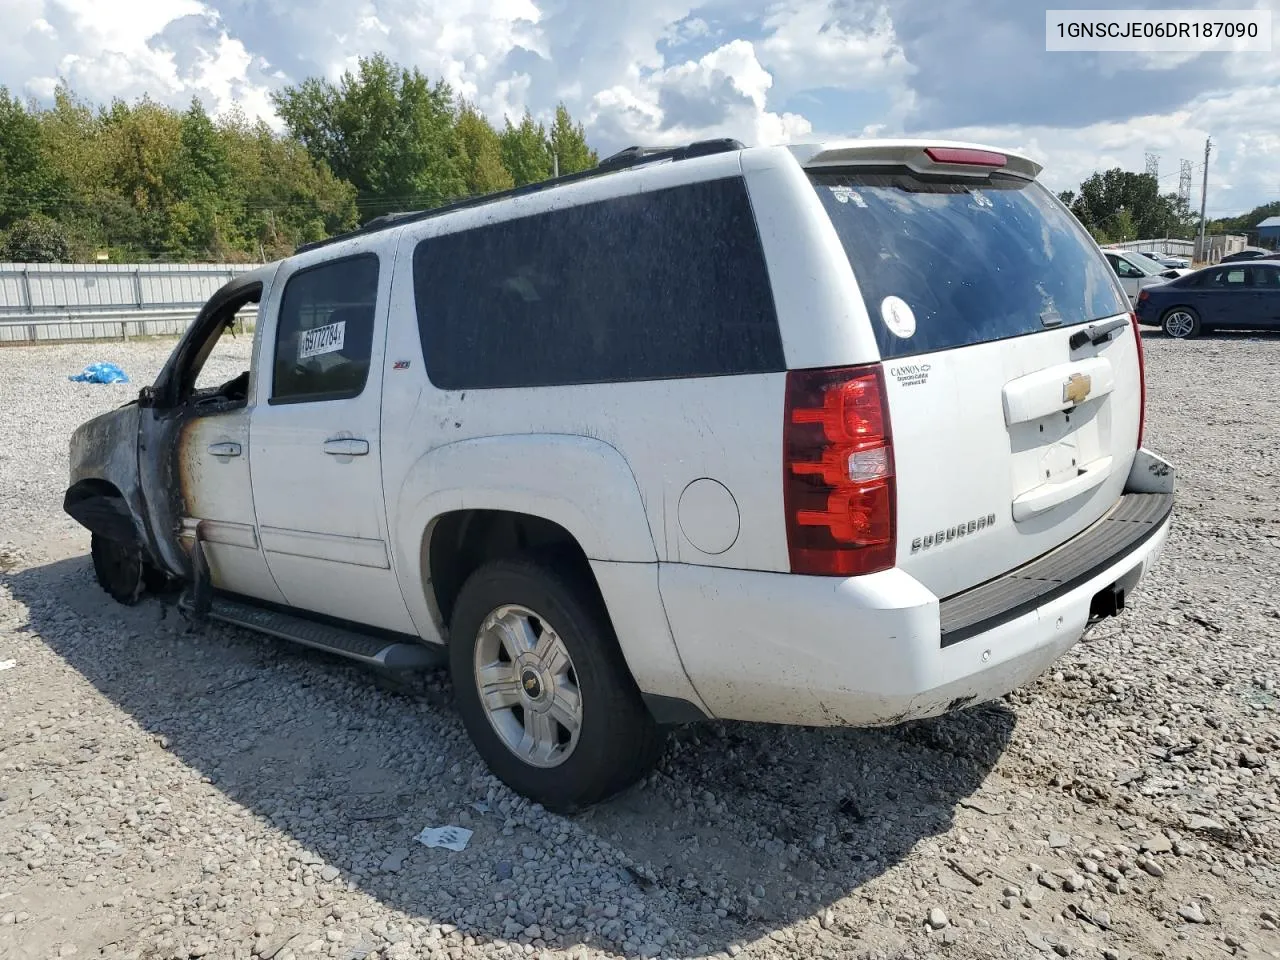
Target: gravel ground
172	792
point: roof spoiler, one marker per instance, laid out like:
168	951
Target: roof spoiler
922	156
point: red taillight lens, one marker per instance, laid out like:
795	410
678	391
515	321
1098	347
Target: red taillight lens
1144	294
967	157
838	485
1142	376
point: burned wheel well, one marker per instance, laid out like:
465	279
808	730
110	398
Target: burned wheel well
100	507
460	543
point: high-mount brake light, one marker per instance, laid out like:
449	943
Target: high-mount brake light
966	156
838	475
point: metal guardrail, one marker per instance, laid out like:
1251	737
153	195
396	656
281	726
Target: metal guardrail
69	327
31	288
44	302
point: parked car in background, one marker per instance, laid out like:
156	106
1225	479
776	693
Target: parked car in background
1136	272
1239	296
1167	260
1246	255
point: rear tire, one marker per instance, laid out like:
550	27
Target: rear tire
561	720
1181	323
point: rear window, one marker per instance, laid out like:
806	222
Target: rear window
658	285
945	264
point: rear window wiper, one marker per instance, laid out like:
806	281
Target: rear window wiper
1097	333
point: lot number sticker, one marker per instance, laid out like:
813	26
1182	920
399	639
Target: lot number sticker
898	317
326	339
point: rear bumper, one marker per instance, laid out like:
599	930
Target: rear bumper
882	649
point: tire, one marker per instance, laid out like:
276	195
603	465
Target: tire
119	568
546	612
1180	323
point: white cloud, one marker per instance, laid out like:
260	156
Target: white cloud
827	43
723	94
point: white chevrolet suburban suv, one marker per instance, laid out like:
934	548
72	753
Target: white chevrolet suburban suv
842	434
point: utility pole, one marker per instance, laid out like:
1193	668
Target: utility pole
1204	196
555	164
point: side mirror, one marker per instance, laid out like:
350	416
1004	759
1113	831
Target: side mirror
147	396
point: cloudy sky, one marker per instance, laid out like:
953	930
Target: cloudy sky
662	71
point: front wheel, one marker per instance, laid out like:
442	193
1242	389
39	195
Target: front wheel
542	686
1181	323
119	568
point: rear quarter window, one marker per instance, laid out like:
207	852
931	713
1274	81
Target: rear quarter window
665	284
973	262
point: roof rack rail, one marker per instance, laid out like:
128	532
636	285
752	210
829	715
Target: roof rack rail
622	160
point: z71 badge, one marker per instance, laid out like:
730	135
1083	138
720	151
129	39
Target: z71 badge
966	529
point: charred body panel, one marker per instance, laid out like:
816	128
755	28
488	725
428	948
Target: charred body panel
104	495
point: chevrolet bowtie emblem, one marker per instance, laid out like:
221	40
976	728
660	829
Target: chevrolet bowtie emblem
1076	388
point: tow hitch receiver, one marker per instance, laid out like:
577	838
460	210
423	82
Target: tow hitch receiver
1108	602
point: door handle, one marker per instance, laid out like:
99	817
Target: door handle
227	449
346	448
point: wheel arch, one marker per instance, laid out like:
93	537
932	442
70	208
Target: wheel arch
101	507
567	493
579	485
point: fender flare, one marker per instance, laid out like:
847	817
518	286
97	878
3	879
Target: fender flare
580	483
100	507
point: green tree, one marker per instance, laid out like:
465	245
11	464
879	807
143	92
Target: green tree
1246	223
480	153
143	180
386	129
288	198
202	208
568	143
1104	196
525	151
35	239
1121	226
28	182
142	145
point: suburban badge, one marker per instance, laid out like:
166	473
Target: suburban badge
966	529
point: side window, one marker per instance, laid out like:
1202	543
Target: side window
1122	267
325	333
670	283
1236	278
1264	278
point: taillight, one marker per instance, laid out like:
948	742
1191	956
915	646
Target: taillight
838	487
1144	294
1142	375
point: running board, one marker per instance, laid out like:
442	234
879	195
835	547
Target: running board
362	647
